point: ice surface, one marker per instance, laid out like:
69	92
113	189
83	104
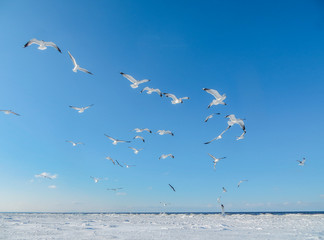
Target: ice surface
160	226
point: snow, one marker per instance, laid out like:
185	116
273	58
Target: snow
160	226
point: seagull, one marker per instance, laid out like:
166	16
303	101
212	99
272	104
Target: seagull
139	130
218	137
42	44
163	132
151	90
46	175
112	160
96	180
241	182
224	189
139	138
134	82
113	189
9	112
210	116
215	159
175	100
172	187
164	156
301	163
74	143
218	98
136	151
128	166
119	164
77	67
223	211
81	109
115	141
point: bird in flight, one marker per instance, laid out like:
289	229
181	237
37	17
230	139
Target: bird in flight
218	98
119	164
115	141
9	112
134	82
224	189
238	185
139	130
74	144
136	151
175	100
42	44
172	187
216	160
164	156
46	175
218	137
96	180
112	160
302	162
128	166
163	132
81	109
210	116
77	67
151	90
139	138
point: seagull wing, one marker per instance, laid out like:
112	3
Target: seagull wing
215	159
15	113
213	92
85	70
113	139
73	59
172	187
146	89
174	98
32	41
143	81
76	108
89	106
129	77
51	44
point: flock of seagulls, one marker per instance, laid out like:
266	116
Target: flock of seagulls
218	100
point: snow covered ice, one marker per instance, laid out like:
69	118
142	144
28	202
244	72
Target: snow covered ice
160	226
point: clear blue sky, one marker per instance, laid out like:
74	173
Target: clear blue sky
267	56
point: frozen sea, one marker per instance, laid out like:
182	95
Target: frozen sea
161	226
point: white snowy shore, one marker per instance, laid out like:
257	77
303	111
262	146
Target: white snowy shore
162	226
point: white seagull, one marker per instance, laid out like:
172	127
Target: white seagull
215	159
136	151
164	156
74	143
112	160
134	82
233	120
9	112
224	189
175	100
163	132
46	175
115	141
96	180
218	137
210	116
139	138
77	67
238	185
139	130
42	44
218	98
151	90
81	109
301	163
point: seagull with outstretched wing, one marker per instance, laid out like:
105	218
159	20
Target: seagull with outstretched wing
216	160
140	137
151	90
9	112
81	109
134	82
175	100
76	66
238	185
115	141
164	132
210	116
136	151
218	98
302	162
74	144
42	44
164	156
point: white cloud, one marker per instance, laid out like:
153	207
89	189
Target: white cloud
52	186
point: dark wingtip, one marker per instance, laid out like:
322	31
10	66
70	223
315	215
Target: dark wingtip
121	73
206	142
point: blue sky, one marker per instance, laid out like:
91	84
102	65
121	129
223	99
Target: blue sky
266	56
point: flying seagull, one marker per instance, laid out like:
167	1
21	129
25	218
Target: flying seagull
151	90
115	141
218	137
139	130
210	116
238	185
114	189
9	112
163	132
134	82
164	156
218	98
215	159
81	109
77	67
175	100
136	151
119	164
224	189
46	175
74	143
128	166
172	187
96	180
139	138
112	160
42	44
301	163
